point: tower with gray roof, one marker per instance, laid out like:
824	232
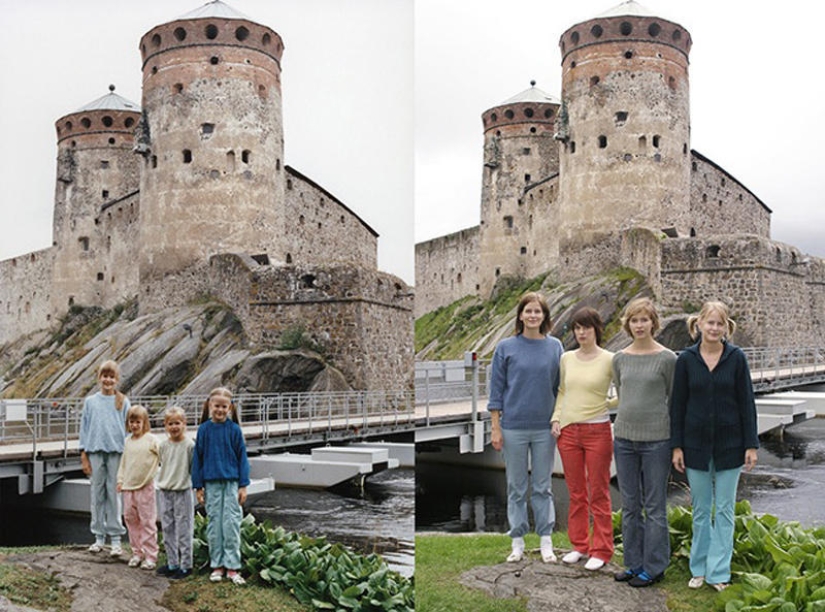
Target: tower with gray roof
521	159
96	202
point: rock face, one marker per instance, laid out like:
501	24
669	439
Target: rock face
556	587
187	350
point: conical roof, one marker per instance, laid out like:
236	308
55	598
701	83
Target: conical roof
628	8
533	94
216	8
111	101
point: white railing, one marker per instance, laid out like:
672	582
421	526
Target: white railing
265	415
438	382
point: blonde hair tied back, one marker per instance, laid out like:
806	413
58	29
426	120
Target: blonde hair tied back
707	308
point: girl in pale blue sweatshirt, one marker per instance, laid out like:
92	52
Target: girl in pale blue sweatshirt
102	434
220	475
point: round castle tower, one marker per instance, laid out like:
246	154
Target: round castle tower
520	155
212	140
96	168
625	128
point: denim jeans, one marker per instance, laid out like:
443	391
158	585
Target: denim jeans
712	546
223	528
642	469
106	504
536	446
586	450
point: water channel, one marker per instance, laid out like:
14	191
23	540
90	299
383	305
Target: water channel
789	482
379	519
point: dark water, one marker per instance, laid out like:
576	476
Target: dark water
380	519
789	482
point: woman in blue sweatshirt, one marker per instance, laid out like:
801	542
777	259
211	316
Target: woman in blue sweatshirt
523	386
713	434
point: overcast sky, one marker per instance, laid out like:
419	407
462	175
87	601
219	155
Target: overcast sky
347	89
756	92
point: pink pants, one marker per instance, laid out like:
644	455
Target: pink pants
140	515
586	450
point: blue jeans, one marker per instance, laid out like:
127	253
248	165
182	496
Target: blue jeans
642	469
223	529
106	505
536	446
712	546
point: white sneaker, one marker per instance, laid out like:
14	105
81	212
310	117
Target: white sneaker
95	548
116	550
547	554
148	565
594	564
696	582
134	561
574	556
517	553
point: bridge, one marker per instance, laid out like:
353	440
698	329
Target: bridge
451	396
39	437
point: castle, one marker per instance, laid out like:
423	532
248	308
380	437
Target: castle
606	177
188	196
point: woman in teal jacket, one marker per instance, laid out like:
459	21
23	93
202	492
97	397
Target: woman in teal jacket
713	434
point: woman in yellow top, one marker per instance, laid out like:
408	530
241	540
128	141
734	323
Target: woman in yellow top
582	425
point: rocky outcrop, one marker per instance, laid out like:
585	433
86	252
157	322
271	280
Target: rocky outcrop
187	350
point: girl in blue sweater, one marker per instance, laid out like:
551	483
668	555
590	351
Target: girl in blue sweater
220	475
523	386
713	434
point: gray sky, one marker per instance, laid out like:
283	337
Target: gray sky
347	89
756	97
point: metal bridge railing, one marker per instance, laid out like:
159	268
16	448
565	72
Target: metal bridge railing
42	420
439	382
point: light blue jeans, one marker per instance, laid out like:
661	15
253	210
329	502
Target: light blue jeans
536	448
642	469
223	529
106	506
712	547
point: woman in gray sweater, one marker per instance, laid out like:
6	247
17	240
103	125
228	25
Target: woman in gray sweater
643	375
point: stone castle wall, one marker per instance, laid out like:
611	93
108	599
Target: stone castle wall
446	269
320	229
773	291
362	319
720	204
25	293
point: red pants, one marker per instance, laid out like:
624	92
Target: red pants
140	513
586	450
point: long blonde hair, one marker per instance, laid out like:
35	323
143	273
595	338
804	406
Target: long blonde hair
110	365
223	392
708	308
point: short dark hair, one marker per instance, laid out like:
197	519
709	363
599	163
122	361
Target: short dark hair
527	298
588	317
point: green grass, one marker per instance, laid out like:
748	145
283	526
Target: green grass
199	595
27	587
441	559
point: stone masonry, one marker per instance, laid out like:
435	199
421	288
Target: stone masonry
189	198
622	187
